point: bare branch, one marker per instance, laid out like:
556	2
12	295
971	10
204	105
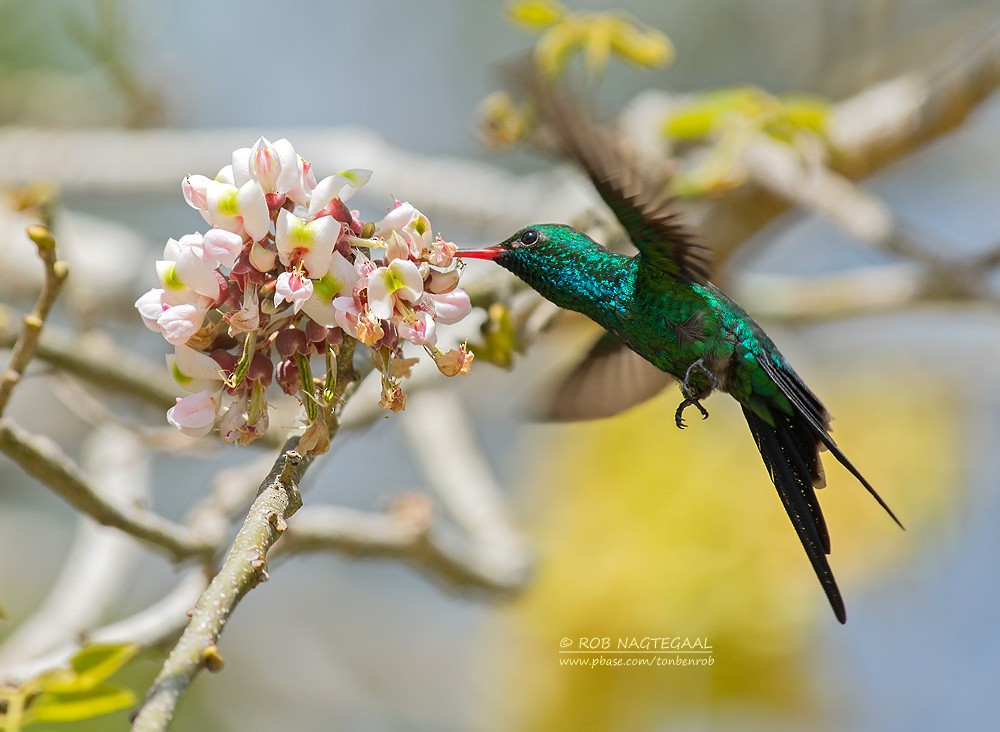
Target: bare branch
98	559
97	359
148	628
244	569
464	482
405	533
865	290
868	131
889	120
27	342
43	459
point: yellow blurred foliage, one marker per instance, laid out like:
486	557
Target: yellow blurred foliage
644	530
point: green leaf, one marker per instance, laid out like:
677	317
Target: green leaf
535	13
88	668
73	706
647	47
711	110
805	112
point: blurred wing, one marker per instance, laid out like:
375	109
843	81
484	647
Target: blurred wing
609	380
642	208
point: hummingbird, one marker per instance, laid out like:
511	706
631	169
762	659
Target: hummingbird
664	320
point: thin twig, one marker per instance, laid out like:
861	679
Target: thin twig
148	628
98	559
863	290
400	535
26	344
244	569
44	460
464	482
94	357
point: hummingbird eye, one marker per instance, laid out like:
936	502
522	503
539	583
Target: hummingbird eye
529	237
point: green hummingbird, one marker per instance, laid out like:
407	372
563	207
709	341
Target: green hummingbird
665	319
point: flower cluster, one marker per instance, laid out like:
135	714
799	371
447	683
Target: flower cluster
282	282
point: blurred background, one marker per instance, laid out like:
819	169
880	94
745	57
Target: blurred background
634	528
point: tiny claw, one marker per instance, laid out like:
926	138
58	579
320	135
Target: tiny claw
679	414
690	396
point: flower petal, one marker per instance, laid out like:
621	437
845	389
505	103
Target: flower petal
221	247
194	188
289	177
195	415
180	322
410	285
451	307
253	208
241	166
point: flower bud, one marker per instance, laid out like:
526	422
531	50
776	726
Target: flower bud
291	341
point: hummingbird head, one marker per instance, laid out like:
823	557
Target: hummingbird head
546	256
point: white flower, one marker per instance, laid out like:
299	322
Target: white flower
343	185
273	167
340	279
400	280
193	370
309	243
239	210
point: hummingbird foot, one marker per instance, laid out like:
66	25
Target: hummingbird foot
679	414
693	397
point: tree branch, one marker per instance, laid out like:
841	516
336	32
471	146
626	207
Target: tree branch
27	342
868	131
42	459
405	533
148	628
98	559
244	569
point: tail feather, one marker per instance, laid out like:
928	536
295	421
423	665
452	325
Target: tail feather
798	454
790	469
811	409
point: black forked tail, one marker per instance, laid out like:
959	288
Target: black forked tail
810	409
789	452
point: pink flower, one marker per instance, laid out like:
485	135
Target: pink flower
180	322
409	222
294	288
176	322
194	415
195	189
340	279
450	307
193	370
305	182
346	312
421	331
442	253
279	238
273	167
183	268
221	248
